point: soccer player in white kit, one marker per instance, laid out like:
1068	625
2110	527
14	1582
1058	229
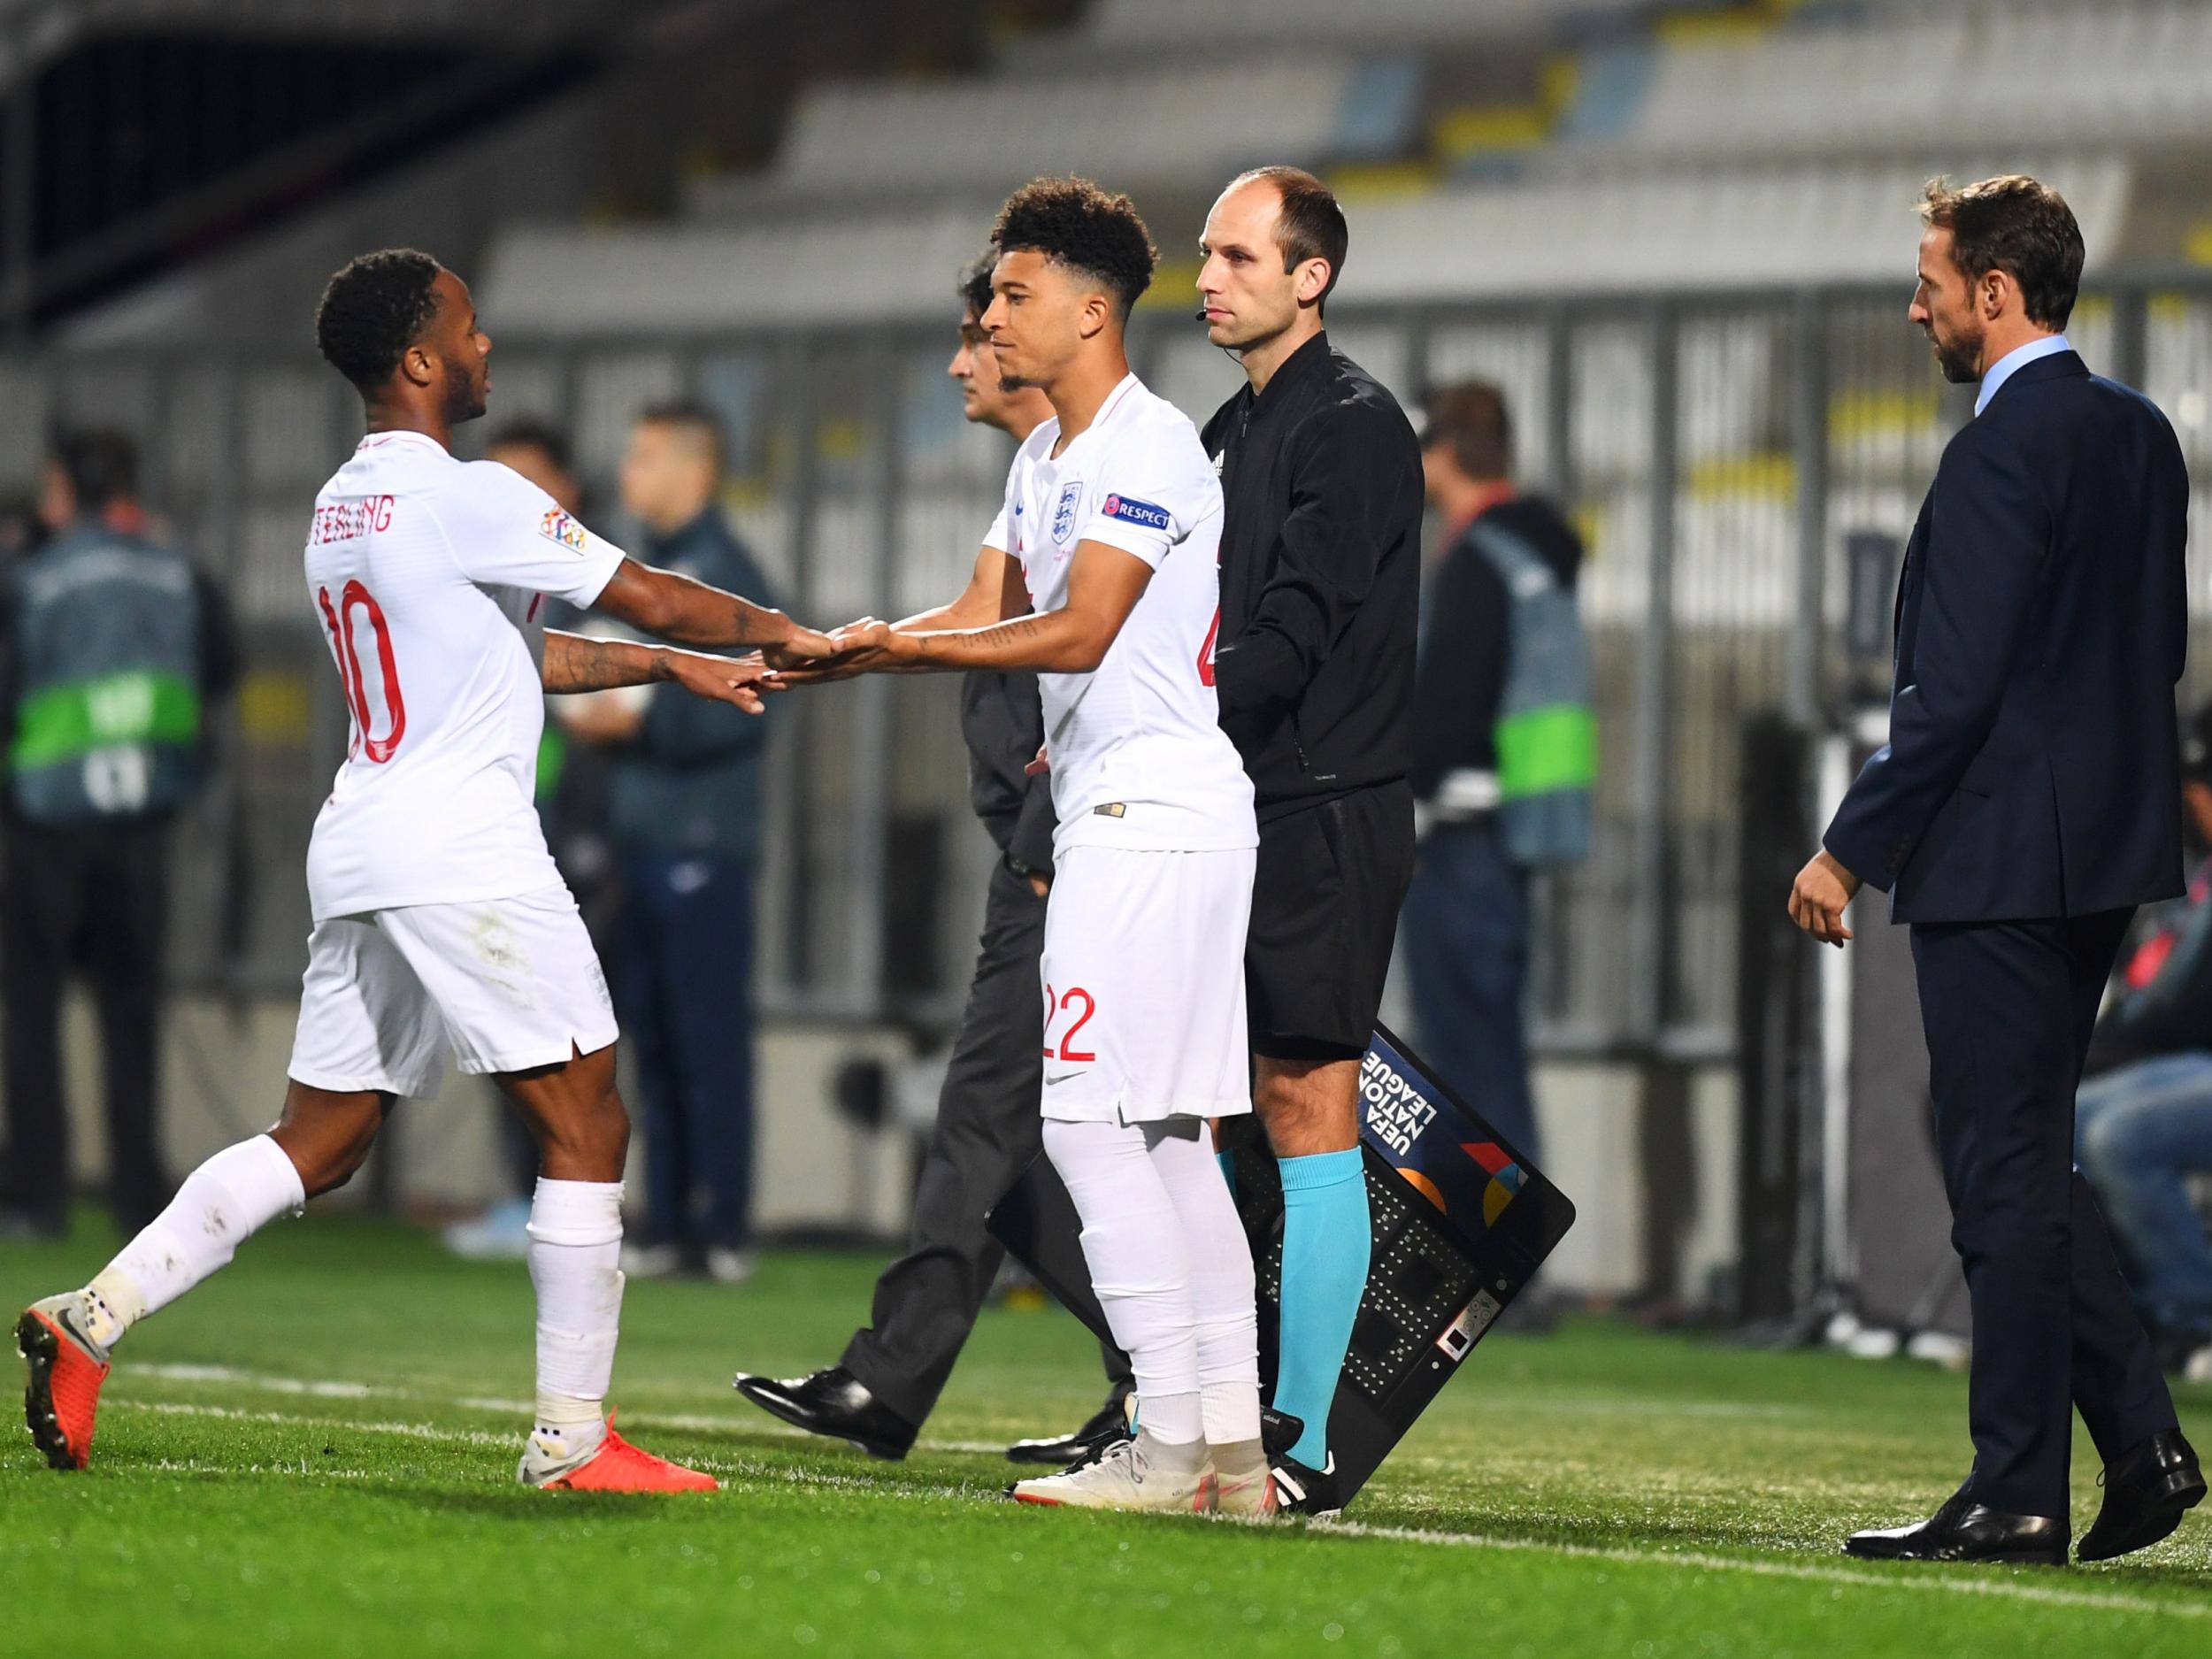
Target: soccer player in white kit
1101	574
440	920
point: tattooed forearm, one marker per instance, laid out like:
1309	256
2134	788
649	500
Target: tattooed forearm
1057	641
574	663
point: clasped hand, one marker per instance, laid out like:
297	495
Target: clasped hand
856	648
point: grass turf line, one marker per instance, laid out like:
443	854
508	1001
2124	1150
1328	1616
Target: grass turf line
337	1474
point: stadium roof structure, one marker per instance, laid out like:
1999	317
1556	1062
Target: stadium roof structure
34	32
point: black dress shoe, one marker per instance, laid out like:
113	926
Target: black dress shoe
1107	1426
2145	1494
836	1403
1963	1530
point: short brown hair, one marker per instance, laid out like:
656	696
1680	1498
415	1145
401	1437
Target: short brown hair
1309	223
1472	417
697	421
2016	224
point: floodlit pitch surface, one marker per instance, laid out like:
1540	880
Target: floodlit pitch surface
315	1455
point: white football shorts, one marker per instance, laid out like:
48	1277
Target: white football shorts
1144	985
503	984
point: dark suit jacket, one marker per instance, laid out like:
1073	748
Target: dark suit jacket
2033	763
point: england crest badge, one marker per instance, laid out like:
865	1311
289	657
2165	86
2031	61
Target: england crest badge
1064	510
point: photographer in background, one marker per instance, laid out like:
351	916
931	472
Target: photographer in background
117	646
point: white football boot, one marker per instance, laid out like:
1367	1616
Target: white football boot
1125	1475
1239	1483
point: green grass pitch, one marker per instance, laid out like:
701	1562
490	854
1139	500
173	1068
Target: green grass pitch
314	1455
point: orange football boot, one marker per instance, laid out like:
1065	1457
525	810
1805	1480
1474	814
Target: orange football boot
613	1465
64	1369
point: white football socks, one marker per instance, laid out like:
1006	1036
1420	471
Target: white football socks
575	1247
1222	1291
227	1200
1173	1270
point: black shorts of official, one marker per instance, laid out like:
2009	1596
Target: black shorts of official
1325	897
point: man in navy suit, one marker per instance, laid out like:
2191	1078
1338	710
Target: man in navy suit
2025	804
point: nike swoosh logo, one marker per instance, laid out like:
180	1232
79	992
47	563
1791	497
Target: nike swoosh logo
1064	1078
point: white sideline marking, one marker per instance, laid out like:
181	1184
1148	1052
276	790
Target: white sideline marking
412	1431
1935	1579
748	1422
271	1384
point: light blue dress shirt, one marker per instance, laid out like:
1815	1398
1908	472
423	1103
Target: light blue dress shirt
2014	361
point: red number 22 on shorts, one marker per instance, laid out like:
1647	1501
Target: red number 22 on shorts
1068	1051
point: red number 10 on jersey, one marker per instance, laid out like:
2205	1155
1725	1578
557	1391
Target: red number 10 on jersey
353	596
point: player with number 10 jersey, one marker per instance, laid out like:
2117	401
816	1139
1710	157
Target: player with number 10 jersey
441	925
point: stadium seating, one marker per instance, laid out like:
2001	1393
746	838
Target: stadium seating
558	279
1429	22
1633	228
2109	75
1678	157
983	135
1811	222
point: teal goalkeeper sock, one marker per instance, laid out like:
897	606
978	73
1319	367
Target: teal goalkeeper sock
1325	1243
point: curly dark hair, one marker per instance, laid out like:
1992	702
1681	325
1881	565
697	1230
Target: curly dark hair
1075	224
372	310
974	287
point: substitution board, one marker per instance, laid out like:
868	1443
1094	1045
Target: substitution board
1460	1221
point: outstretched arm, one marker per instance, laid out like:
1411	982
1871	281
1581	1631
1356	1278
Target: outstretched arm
995	592
573	662
1105	584
688	612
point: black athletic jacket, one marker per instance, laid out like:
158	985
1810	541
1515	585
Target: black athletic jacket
1003	724
1320	579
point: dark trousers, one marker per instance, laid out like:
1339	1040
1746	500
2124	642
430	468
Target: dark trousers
93	897
987	1132
2008	1008
684	985
1466	935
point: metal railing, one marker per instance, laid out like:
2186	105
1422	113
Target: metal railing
1719	453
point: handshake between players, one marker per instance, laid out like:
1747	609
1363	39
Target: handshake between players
427	573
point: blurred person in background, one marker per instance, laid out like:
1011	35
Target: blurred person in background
21	530
118	647
987	1131
1314	667
1503	751
684	790
571	800
2143	1120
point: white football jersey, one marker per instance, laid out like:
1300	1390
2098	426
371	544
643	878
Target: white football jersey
427	575
1138	755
